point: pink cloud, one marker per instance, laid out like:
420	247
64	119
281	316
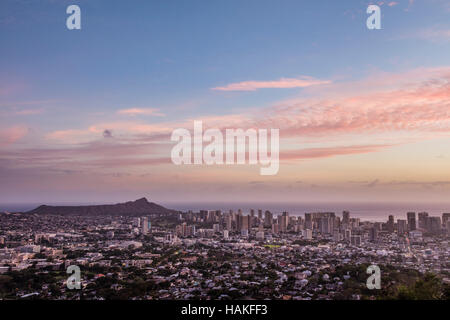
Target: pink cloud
409	106
28	112
413	105
313	153
121	129
276	84
141	111
71	136
12	134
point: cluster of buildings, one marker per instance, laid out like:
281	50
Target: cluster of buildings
313	225
218	255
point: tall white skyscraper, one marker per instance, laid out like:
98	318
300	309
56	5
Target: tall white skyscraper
144	226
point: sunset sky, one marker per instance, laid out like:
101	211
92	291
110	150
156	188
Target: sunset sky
86	115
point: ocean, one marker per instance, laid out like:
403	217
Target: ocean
365	211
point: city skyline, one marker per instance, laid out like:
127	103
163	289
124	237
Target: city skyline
141	251
86	115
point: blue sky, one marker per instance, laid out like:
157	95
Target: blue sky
166	52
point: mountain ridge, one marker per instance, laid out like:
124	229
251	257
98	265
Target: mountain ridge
138	207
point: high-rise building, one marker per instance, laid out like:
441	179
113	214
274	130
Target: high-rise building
401	227
252	218
411	217
238	222
434	225
319	223
218	215
345	217
422	219
275	228
144	227
373	234
325	225
268	218
228	222
308	221
300	223
445	218
260	214
279	222
211	216
390	224
245	222
283	221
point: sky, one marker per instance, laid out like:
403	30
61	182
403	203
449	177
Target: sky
87	115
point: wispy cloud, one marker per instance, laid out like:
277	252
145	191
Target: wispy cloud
409	106
122	129
141	111
416	101
283	83
7	112
105	154
403	183
312	153
12	134
434	34
28	112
